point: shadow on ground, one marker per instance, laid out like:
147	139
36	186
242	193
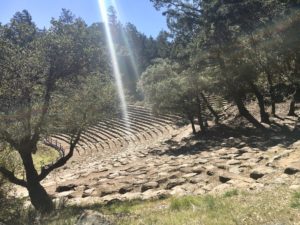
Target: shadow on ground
222	135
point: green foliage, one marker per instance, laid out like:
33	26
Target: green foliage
184	203
162	87
295	203
11	208
240	49
231	193
53	81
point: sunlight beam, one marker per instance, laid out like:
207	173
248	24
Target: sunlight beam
128	45
115	64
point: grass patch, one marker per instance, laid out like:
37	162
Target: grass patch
296	200
183	203
44	156
231	193
274	206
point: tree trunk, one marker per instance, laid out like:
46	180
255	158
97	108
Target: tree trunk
200	120
38	195
191	118
293	104
245	113
261	103
210	108
272	93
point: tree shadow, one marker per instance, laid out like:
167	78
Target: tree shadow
221	136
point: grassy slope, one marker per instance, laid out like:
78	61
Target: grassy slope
275	206
45	155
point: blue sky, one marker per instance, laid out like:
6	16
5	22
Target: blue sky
139	12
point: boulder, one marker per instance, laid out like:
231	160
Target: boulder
90	217
64	188
293	168
88	192
150	185
125	189
260	172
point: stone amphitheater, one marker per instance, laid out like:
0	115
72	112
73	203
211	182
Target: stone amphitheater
154	158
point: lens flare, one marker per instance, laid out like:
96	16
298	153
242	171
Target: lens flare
127	43
113	55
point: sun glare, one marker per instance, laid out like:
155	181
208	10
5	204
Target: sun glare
113	55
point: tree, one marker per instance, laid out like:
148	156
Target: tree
218	28
168	89
50	82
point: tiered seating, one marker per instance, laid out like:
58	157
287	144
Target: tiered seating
218	104
141	127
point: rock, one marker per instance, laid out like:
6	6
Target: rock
227	176
125	189
236	170
139	182
197	179
222	166
233	162
260	172
231	141
68	187
88	192
201	161
102	169
208	187
186	169
189	175
113	175
242	144
150	185
245	156
162	180
108	190
174	176
210	170
256	175
197	169
227	157
178	191
224	178
67	194
175	182
244	150
92	218
155	194
293	168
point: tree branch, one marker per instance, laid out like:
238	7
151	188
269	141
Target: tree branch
62	161
12	178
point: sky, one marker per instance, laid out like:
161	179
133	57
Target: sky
139	12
